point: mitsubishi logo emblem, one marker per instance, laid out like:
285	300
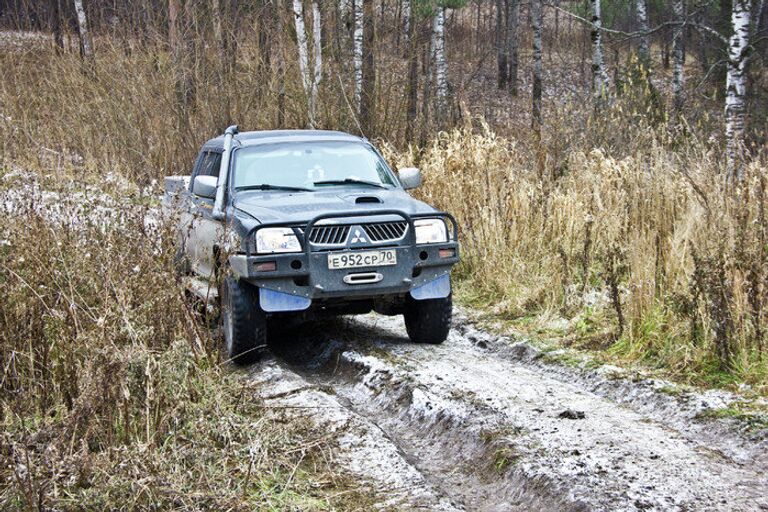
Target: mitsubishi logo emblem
359	238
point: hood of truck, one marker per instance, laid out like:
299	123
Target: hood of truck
298	207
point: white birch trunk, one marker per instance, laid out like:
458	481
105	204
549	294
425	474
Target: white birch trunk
82	27
318	59
735	89
345	7
644	48
677	52
441	65
599	75
357	53
303	46
407	22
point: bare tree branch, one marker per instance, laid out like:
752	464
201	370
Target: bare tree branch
639	33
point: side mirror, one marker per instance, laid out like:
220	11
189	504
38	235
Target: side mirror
410	177
205	186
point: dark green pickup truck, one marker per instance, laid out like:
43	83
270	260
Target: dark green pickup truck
309	223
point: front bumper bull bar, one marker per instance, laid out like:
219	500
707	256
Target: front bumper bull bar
306	275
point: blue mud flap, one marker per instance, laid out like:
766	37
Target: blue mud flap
438	288
274	302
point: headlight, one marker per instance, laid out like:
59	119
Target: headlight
430	231
277	240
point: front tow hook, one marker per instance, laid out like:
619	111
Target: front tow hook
363	278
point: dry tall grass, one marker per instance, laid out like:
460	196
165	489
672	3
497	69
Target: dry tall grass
112	395
121	111
649	256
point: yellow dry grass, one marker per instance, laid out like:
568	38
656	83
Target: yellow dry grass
684	254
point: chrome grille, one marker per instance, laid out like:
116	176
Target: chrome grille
329	235
385	231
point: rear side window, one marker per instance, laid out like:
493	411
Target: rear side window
210	164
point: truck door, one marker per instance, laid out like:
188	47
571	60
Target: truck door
203	232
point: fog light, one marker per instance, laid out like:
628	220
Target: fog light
267	266
446	253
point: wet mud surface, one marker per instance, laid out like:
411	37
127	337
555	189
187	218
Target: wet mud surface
480	423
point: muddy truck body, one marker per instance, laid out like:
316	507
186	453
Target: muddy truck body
308	223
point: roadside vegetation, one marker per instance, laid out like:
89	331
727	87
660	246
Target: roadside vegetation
608	226
643	255
113	392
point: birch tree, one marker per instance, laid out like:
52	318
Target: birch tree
345	7
317	44
644	46
406	24
441	65
599	75
310	78
302	43
357	53
735	88
86	44
677	51
367	103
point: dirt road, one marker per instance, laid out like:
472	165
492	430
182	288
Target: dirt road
479	423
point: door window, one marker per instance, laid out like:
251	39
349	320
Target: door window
210	165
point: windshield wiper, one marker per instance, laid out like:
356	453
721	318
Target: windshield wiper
267	186
350	181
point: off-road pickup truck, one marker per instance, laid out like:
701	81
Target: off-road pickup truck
307	223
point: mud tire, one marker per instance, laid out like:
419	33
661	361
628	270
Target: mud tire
243	323
428	321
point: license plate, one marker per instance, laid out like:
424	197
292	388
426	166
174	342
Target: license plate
362	259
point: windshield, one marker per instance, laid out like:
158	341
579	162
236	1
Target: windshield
310	166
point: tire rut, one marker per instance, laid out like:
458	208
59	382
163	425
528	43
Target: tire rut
476	430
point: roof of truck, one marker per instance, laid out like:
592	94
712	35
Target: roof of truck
272	136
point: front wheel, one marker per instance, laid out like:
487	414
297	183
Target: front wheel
242	320
428	321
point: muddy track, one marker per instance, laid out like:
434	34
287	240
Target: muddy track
475	424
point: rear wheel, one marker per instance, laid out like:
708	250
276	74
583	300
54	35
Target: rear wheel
428	321
243	323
